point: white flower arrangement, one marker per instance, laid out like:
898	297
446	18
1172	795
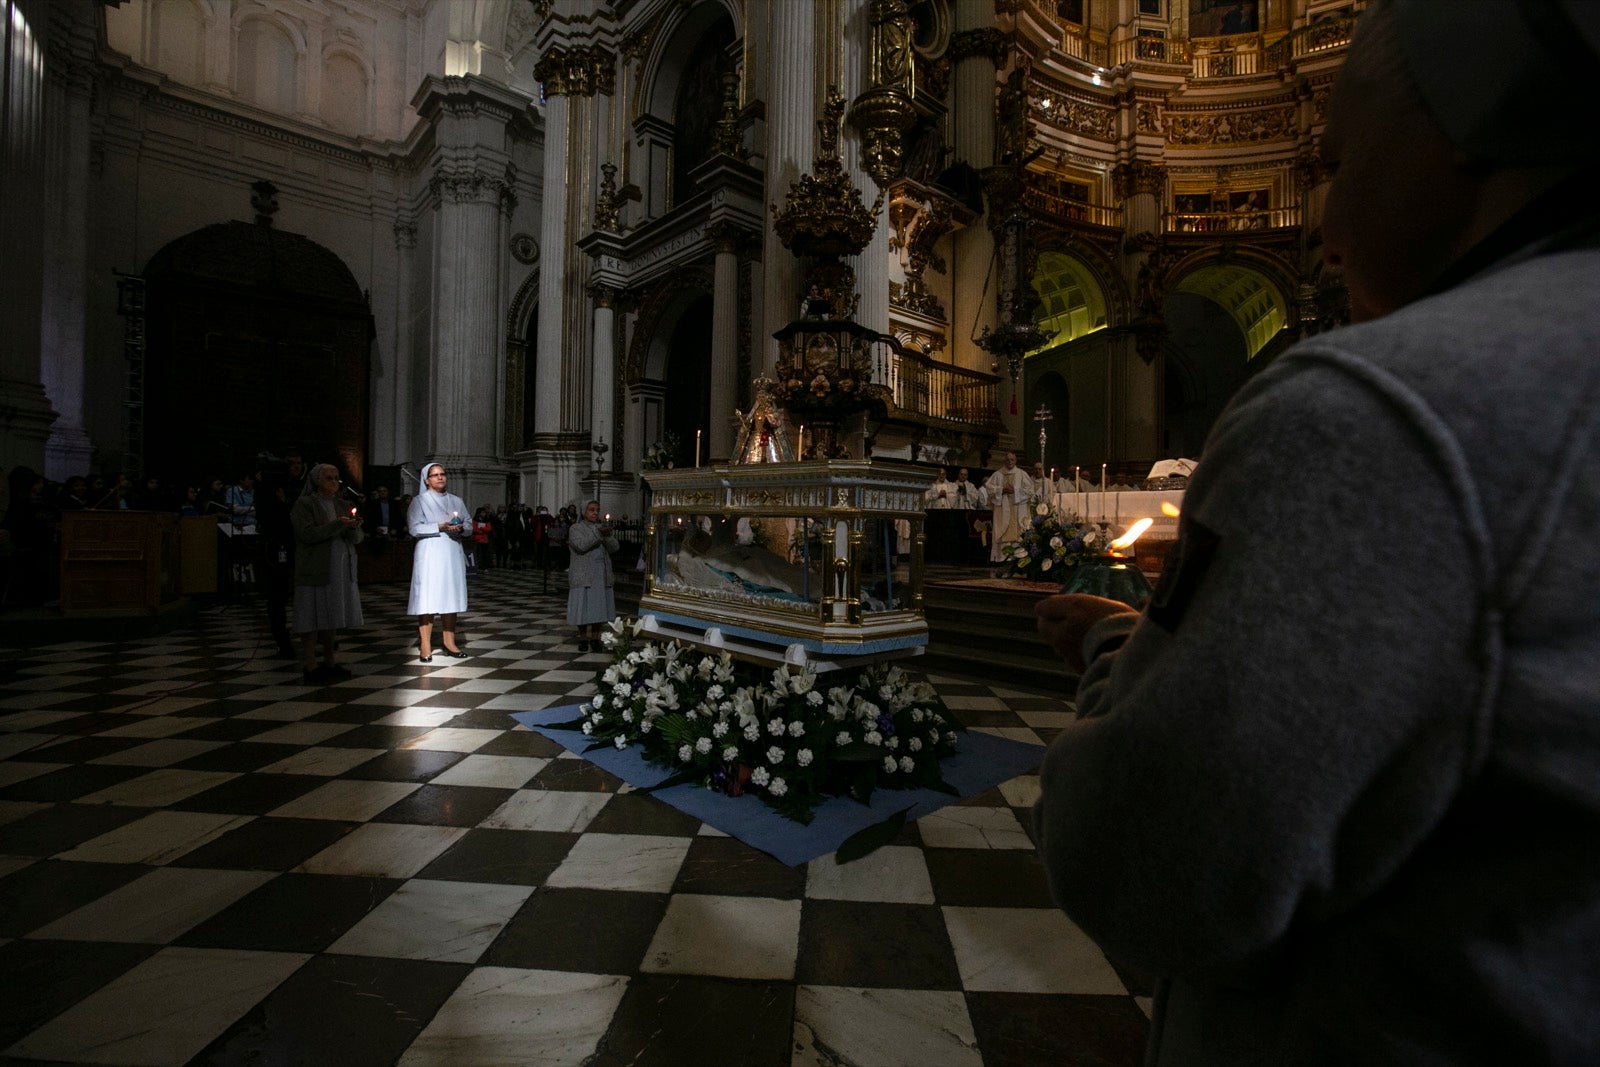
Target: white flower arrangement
732	728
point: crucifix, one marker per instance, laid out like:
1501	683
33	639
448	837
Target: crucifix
1042	415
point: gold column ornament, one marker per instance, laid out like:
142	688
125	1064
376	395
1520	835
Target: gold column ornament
884	112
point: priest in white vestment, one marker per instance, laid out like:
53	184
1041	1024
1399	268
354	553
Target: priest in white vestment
1008	490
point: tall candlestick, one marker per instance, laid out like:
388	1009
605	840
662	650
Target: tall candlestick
697	448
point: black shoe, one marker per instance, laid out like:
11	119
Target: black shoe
336	673
425	659
583	646
457	654
286	652
315	676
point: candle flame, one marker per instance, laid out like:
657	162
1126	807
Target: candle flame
1169	509
1127	539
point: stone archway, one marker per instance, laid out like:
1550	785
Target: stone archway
258	339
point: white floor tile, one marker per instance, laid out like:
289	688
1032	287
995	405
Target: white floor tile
971	826
1026	950
159	788
502	1016
303	733
451	739
882	1028
165	1010
893	874
554	810
384	850
351	800
156	908
1021	791
500	772
754	938
639	863
13	771
451	922
324	762
157	839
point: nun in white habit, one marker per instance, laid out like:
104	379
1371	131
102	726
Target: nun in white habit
438	520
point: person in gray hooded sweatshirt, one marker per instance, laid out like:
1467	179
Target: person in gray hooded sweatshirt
1338	786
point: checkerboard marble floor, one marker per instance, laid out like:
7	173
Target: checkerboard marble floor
204	860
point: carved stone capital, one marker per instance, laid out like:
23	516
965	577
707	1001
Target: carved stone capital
583	70
469	184
1140	176
604	296
405	234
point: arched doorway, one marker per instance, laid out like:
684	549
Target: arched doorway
1218	319
258	340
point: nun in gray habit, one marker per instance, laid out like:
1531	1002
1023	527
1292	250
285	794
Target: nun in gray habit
326	599
590	600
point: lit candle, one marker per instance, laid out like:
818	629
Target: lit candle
1077	494
697	448
802	454
1102	492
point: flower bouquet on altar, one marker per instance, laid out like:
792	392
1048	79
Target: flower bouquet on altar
782	736
1050	546
661	455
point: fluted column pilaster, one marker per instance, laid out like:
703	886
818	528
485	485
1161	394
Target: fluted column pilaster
791	148
724	347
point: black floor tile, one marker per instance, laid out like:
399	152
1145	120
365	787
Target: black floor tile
897	946
407	765
590	930
726	866
987	878
41	979
252	794
69	783
43	892
636	813
64	826
503	857
241	757
292	913
446	805
520	743
1028	1029
576	775
350	1010
267	844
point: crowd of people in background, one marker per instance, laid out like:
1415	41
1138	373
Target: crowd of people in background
253	505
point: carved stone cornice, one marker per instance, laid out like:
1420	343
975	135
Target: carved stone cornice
581	70
987	41
1139	176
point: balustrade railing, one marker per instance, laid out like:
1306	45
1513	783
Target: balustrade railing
1045	202
934	389
1230	221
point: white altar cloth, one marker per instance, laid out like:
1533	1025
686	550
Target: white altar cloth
1122	509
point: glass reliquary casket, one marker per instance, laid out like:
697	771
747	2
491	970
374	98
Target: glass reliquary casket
815	563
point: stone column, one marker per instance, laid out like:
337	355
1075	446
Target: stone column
564	401
977	49
1134	400
25	412
66	212
471	185
791	147
724	343
872	265
605	374
403	350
